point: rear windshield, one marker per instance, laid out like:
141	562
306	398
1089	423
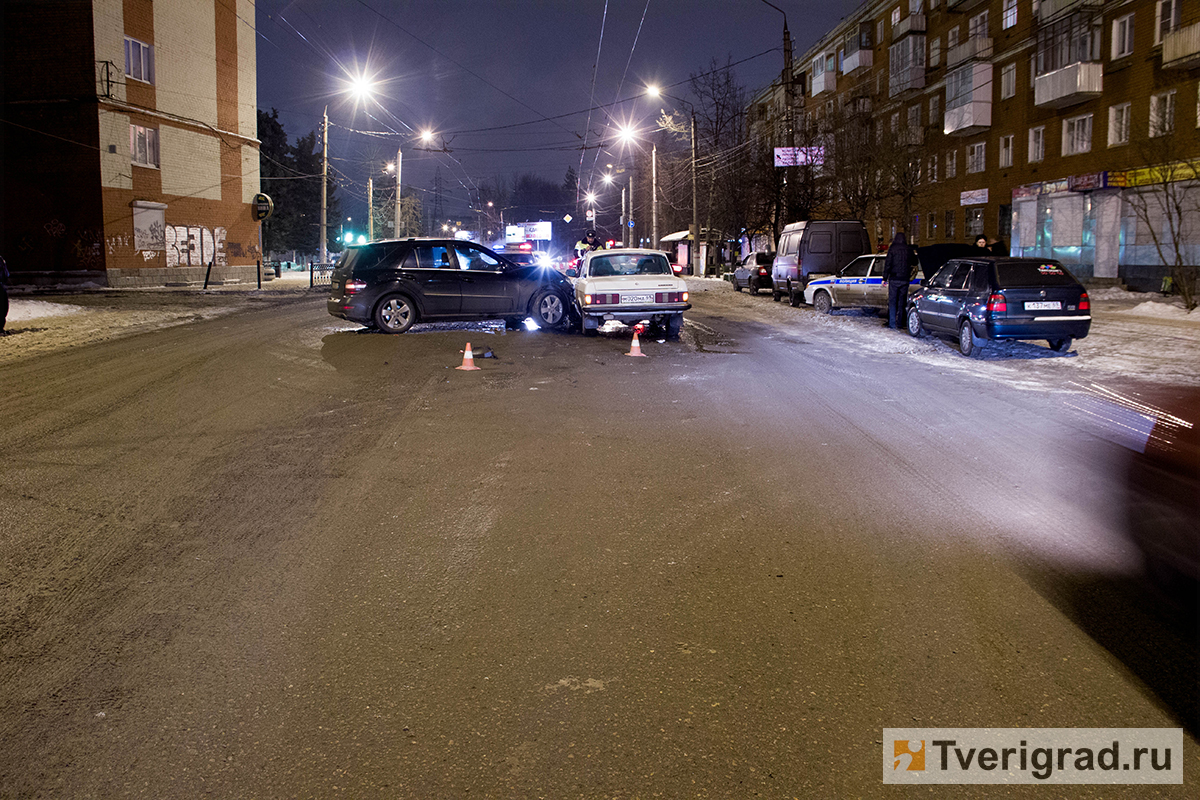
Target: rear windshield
1032	273
629	264
363	259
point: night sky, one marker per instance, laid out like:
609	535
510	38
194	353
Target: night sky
460	67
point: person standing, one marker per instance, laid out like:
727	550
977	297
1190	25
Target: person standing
588	243
897	271
3	296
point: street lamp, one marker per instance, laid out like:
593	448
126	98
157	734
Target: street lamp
694	252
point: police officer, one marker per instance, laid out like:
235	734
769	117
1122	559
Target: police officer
897	272
588	243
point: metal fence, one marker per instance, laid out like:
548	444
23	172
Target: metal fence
319	274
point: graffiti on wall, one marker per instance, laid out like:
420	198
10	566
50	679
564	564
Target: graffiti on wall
194	246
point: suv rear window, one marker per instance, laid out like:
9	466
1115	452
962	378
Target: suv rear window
1011	274
369	257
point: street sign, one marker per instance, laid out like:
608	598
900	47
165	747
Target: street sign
591	215
631	223
799	156
263	206
567	218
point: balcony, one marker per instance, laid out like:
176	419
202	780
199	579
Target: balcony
910	137
913	23
963	5
858	61
969	119
905	79
1051	9
974	48
825	82
1070	85
1181	48
858	105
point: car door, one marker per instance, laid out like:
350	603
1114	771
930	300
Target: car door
875	290
954	297
487	286
930	302
849	286
430	267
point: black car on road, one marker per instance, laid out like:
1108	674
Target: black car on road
981	299
392	284
754	272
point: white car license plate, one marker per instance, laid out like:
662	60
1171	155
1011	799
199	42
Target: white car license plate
636	299
1044	306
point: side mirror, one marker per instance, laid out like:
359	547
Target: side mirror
572	272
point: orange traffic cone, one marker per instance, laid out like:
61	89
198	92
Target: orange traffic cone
468	359
636	349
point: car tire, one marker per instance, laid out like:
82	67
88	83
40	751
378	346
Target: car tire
915	328
775	294
674	326
1060	345
548	309
823	303
795	298
752	286
737	287
968	344
395	313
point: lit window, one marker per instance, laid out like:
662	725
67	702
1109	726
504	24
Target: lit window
143	146
1162	113
1118	124
975	157
1122	36
1077	135
1010	14
1006	151
895	16
1037	144
139	60
1008	81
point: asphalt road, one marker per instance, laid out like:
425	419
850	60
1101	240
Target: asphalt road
266	555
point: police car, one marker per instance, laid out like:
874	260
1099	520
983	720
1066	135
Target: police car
860	284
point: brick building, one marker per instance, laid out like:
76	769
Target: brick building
130	141
1068	128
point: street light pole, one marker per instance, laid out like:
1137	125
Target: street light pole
370	209
654	198
396	229
324	184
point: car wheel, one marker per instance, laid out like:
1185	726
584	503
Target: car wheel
776	294
674	326
823	303
915	329
1060	345
752	286
548	309
795	297
395	314
737	287
968	345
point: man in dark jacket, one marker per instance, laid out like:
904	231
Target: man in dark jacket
897	271
3	296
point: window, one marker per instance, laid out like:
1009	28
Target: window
473	258
952	38
906	64
935	51
1008	81
949	227
930	226
1072	39
895	122
978	26
1118	124
143	145
1122	36
895	16
933	169
914	116
975	157
1166	18
935	110
879	31
916	6
1010	14
974	228
139	60
1037	144
1077	135
1162	113
951	164
841	60
1004	228
1006	151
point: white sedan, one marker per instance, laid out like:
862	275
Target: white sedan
629	286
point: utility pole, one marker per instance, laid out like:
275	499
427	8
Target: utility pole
624	220
633	242
697	266
324	183
370	209
654	199
396	230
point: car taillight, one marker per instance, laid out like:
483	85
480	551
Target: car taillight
762	270
354	287
678	268
670	297
997	303
683	296
1084	303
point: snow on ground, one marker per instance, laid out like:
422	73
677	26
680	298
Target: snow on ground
23	310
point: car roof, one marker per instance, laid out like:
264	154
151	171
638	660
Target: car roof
627	251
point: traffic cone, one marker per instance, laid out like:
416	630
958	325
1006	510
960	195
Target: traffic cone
636	349
468	359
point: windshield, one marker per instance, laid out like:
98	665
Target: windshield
629	264
1032	273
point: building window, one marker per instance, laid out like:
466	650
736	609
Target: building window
1077	135
931	226
1006	151
1122	36
1004	226
1072	39
879	31
139	60
1010	14
1166	18
1037	144
914	116
977	28
934	3
143	146
935	51
935	110
933	169
1162	113
895	16
951	164
895	122
952	38
949	227
906	65
1008	81
974	222
1118	124
975	157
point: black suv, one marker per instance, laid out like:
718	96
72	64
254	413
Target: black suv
390	285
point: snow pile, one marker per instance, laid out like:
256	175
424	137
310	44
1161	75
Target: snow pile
1152	308
21	310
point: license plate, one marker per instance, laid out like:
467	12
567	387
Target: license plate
1044	305
636	299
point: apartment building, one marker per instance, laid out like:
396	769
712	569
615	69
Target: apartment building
1067	128
130	141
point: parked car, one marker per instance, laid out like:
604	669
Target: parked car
392	284
982	299
630	286
820	246
860	284
754	272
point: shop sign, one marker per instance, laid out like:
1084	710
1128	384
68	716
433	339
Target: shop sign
1089	182
975	197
